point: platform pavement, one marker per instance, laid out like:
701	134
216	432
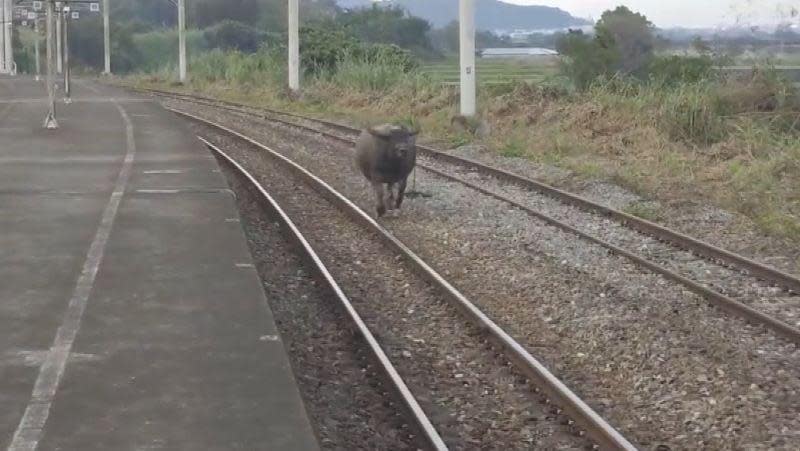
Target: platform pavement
131	316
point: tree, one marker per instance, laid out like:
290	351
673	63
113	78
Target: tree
585	59
631	34
388	25
700	46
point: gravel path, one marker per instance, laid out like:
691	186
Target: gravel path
345	399
658	362
471	395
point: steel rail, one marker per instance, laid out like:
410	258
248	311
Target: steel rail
596	428
704	249
422	423
722	301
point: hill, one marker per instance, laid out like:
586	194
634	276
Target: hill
491	14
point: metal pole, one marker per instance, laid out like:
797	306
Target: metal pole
9	33
294	46
107	36
50	121
182	40
36	43
59	51
467	47
67	90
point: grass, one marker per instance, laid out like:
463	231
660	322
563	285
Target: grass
734	144
645	210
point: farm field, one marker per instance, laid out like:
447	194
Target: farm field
494	71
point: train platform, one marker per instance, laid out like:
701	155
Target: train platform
131	315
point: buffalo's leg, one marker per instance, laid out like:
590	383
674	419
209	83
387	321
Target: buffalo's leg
380	198
390	200
401	192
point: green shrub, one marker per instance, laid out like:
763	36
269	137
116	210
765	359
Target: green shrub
322	48
673	70
158	49
232	35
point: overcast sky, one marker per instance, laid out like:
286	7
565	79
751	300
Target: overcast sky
685	13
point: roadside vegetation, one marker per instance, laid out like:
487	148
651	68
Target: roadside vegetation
619	105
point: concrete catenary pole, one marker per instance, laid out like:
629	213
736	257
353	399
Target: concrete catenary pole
9	33
50	121
59	47
36	47
182	41
107	37
67	75
294	45
3	37
467	47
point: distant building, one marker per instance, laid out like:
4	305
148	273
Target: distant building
519	52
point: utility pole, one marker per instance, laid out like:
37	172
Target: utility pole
182	40
294	46
3	69
50	122
8	39
59	47
467	48
67	90
107	37
36	44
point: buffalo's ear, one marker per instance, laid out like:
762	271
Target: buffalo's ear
381	131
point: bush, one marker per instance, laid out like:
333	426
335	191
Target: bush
322	48
673	70
232	35
159	49
584	60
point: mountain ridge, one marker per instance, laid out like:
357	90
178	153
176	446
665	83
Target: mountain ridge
490	14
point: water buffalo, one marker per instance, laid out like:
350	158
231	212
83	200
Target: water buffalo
386	155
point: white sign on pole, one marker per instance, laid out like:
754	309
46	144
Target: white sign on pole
24	23
76	15
31	15
37	6
94	7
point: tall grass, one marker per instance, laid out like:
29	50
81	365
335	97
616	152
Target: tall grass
377	74
237	68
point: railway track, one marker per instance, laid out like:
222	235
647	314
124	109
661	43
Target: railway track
421	423
743	287
557	399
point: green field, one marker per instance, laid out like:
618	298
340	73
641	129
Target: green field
494	71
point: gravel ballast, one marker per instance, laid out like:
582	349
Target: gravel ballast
470	393
347	401
657	361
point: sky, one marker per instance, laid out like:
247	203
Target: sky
685	13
